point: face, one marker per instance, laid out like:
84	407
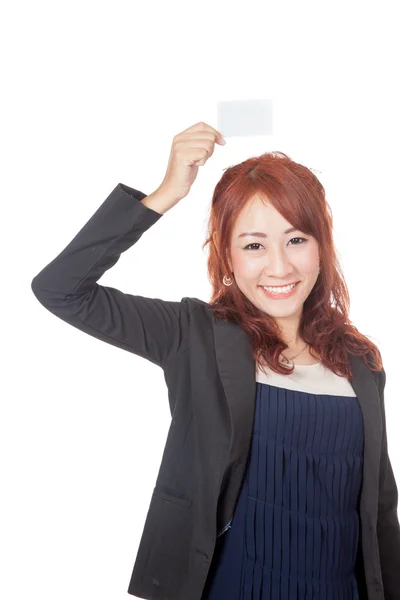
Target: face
275	257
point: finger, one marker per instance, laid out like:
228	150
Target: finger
200	135
203	143
204	127
198	158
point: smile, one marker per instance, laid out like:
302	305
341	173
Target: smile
280	292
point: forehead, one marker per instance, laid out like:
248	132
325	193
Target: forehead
261	214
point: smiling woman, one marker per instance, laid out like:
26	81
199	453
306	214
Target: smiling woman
256	208
281	466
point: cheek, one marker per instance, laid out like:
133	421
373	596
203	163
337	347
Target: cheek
308	262
307	266
244	265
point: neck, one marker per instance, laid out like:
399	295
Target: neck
293	347
289	328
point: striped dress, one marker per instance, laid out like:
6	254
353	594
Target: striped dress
294	533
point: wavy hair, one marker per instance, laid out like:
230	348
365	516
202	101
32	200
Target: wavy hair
298	195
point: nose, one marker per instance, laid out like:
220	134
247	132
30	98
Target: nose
278	266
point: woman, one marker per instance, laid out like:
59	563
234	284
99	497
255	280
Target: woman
275	481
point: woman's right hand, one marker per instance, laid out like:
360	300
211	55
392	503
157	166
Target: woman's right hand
190	149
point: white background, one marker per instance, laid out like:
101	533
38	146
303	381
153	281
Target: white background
93	93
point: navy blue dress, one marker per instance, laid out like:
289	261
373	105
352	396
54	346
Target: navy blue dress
295	529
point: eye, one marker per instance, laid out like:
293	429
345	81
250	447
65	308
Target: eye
299	238
257	244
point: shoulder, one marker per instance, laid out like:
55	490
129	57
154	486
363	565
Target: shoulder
195	303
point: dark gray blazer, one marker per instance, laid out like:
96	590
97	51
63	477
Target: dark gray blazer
210	375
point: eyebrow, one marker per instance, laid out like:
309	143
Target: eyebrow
264	235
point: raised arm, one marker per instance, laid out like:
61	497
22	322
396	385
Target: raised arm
152	328
149	327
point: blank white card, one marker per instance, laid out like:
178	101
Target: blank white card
245	117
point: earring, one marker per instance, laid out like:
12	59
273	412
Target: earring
227	280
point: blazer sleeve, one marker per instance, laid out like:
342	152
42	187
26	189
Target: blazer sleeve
152	328
388	528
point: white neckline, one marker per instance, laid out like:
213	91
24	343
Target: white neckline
318	364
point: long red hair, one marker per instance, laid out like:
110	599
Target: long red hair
298	195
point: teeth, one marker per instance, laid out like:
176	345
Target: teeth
281	290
